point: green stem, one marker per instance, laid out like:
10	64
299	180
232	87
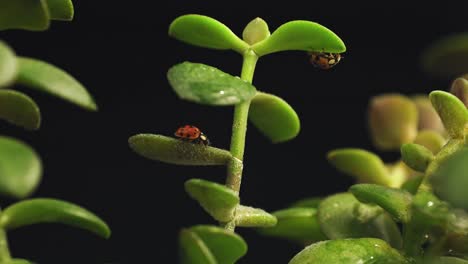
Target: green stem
239	130
5	256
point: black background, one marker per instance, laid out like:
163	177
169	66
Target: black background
121	51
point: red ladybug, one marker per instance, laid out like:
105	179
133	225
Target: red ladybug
192	134
324	60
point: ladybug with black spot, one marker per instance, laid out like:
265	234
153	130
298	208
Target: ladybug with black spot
324	60
192	134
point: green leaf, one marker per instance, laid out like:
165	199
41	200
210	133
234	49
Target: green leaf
19	109
20	168
203	244
416	156
46	210
431	140
429	211
275	118
24	14
204	84
361	164
8	63
447	56
60	9
412	184
218	200
311	202
343	216
256	31
450	179
48	78
175	151
205	32
459	88
296	224
397	202
393	121
20	261
300	35
452	111
253	217
349	251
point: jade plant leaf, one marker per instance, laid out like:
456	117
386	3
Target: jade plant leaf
175	151
204	244
431	140
447	57
416	156
343	216
365	166
452	111
413	183
311	202
218	200
60	9
19	109
349	251
46	210
48	78
8	64
396	202
428	211
300	35
205	84
205	32
275	118
20	261
296	224
24	14
20	168
393	121
256	31
450	179
247	216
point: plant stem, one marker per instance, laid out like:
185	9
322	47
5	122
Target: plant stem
5	256
239	130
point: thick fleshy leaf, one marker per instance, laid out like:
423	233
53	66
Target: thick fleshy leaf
275	118
24	14
256	31
428	119
296	224
311	202
450	179
429	211
175	151
343	216
217	200
416	156
365	166
459	88
452	111
247	216
209	243
60	9
8	64
205	84
48	78
431	140
412	184
447	57
349	251
46	210
300	35
393	121
20	168
396	202
19	109
205	32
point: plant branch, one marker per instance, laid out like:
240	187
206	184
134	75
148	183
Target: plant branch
5	256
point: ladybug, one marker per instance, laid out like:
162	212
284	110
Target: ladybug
324	60
192	134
